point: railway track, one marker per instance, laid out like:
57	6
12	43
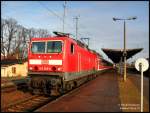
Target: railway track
28	105
8	89
13	85
11	88
34	102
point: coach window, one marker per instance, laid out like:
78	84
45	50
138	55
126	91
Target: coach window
72	48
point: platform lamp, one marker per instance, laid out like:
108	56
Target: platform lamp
124	51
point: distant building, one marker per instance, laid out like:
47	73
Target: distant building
13	68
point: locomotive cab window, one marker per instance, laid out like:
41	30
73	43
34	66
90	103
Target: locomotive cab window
72	48
38	47
54	47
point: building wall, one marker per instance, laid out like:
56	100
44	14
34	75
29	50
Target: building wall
14	70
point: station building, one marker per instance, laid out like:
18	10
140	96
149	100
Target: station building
13	68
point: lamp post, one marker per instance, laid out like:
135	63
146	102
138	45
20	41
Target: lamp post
124	51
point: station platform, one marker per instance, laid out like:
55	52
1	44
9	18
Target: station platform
107	93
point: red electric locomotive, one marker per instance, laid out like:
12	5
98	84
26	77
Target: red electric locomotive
57	64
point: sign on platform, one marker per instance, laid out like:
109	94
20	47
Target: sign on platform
144	64
141	65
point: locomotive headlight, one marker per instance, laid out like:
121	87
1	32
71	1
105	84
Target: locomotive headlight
59	69
30	68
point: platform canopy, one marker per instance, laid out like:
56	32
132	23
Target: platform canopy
116	54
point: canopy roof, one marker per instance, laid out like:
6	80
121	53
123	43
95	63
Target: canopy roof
116	54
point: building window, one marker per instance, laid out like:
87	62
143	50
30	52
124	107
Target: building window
14	70
72	48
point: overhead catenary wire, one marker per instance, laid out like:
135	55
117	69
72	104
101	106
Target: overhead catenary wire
52	12
61	18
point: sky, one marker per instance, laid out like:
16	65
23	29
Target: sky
95	21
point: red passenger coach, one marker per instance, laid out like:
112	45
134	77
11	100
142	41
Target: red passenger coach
60	63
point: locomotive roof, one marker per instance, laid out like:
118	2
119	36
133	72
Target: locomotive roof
64	37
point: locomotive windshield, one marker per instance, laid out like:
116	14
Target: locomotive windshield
38	47
52	47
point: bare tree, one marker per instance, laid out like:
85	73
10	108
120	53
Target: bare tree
19	45
2	30
38	33
15	37
24	42
3	25
11	30
42	33
31	32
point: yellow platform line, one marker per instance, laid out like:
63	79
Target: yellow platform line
130	96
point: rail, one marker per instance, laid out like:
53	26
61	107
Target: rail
28	104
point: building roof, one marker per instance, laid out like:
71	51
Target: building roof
8	62
116	54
